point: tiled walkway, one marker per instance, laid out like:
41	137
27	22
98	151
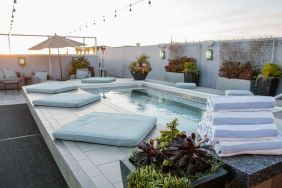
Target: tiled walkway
8	97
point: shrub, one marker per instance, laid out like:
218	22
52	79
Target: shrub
141	64
177	64
271	70
149	177
236	70
190	67
80	62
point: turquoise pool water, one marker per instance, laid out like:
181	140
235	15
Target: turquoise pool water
163	105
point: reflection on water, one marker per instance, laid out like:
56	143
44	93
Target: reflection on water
141	102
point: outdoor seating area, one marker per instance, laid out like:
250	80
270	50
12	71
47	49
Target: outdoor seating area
141	94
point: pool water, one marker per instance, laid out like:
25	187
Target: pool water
159	104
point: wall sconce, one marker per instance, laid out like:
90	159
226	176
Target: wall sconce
162	53
21	61
209	54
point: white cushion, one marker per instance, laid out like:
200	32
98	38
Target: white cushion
2	75
10	73
42	76
80	74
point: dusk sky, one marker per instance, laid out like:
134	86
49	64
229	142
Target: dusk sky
190	19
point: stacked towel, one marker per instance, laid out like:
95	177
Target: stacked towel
241	125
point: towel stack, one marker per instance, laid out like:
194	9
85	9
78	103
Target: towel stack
241	125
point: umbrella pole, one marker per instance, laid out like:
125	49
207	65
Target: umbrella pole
49	59
60	64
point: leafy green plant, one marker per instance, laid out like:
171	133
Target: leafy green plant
168	134
80	62
177	64
271	70
149	177
190	67
141	64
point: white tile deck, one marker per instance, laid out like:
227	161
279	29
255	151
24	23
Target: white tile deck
84	164
9	97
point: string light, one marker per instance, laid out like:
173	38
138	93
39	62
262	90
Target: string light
12	17
119	10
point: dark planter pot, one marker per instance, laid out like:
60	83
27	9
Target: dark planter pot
264	86
212	180
191	77
139	75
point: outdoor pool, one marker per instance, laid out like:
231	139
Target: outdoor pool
159	103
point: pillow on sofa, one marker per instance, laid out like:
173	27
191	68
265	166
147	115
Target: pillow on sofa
42	76
2	75
81	73
10	73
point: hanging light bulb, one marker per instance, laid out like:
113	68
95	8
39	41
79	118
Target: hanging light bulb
149	2
14	10
104	19
130	8
15	1
94	23
115	13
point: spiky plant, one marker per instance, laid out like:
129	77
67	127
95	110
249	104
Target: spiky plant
146	154
184	153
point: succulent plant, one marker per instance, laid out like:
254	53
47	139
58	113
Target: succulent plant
184	151
147	154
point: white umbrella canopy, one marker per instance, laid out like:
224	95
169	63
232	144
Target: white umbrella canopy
56	42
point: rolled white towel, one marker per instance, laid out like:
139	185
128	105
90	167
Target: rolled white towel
266	147
240	103
243	132
237	118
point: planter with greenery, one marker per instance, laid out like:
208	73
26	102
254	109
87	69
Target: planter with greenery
268	80
172	160
235	75
140	68
191	73
81	63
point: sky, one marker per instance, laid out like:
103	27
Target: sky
179	20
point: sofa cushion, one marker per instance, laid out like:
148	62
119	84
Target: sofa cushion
81	73
186	85
9	79
238	93
10	73
67	100
98	80
42	76
108	128
51	88
2	75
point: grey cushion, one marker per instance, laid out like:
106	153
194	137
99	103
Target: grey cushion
67	100
98	80
81	74
42	76
10	79
50	88
2	75
186	85
238	92
108	128
10	73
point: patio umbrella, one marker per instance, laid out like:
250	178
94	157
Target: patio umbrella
56	42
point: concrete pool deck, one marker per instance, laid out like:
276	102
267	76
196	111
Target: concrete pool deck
85	164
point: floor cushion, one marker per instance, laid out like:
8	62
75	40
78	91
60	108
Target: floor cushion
186	85
238	93
67	100
108	128
98	80
50	88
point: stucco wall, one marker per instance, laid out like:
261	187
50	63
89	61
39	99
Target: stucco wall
41	63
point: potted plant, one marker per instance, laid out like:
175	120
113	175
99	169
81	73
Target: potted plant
175	68
80	63
268	80
140	68
172	160
191	74
235	75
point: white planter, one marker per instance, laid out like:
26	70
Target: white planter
174	77
225	83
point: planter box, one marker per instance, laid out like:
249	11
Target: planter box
213	180
265	86
174	77
225	83
191	77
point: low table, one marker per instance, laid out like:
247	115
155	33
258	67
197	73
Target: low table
6	83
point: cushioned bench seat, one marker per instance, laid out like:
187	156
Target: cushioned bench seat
238	93
67	100
98	80
186	85
108	128
50	88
